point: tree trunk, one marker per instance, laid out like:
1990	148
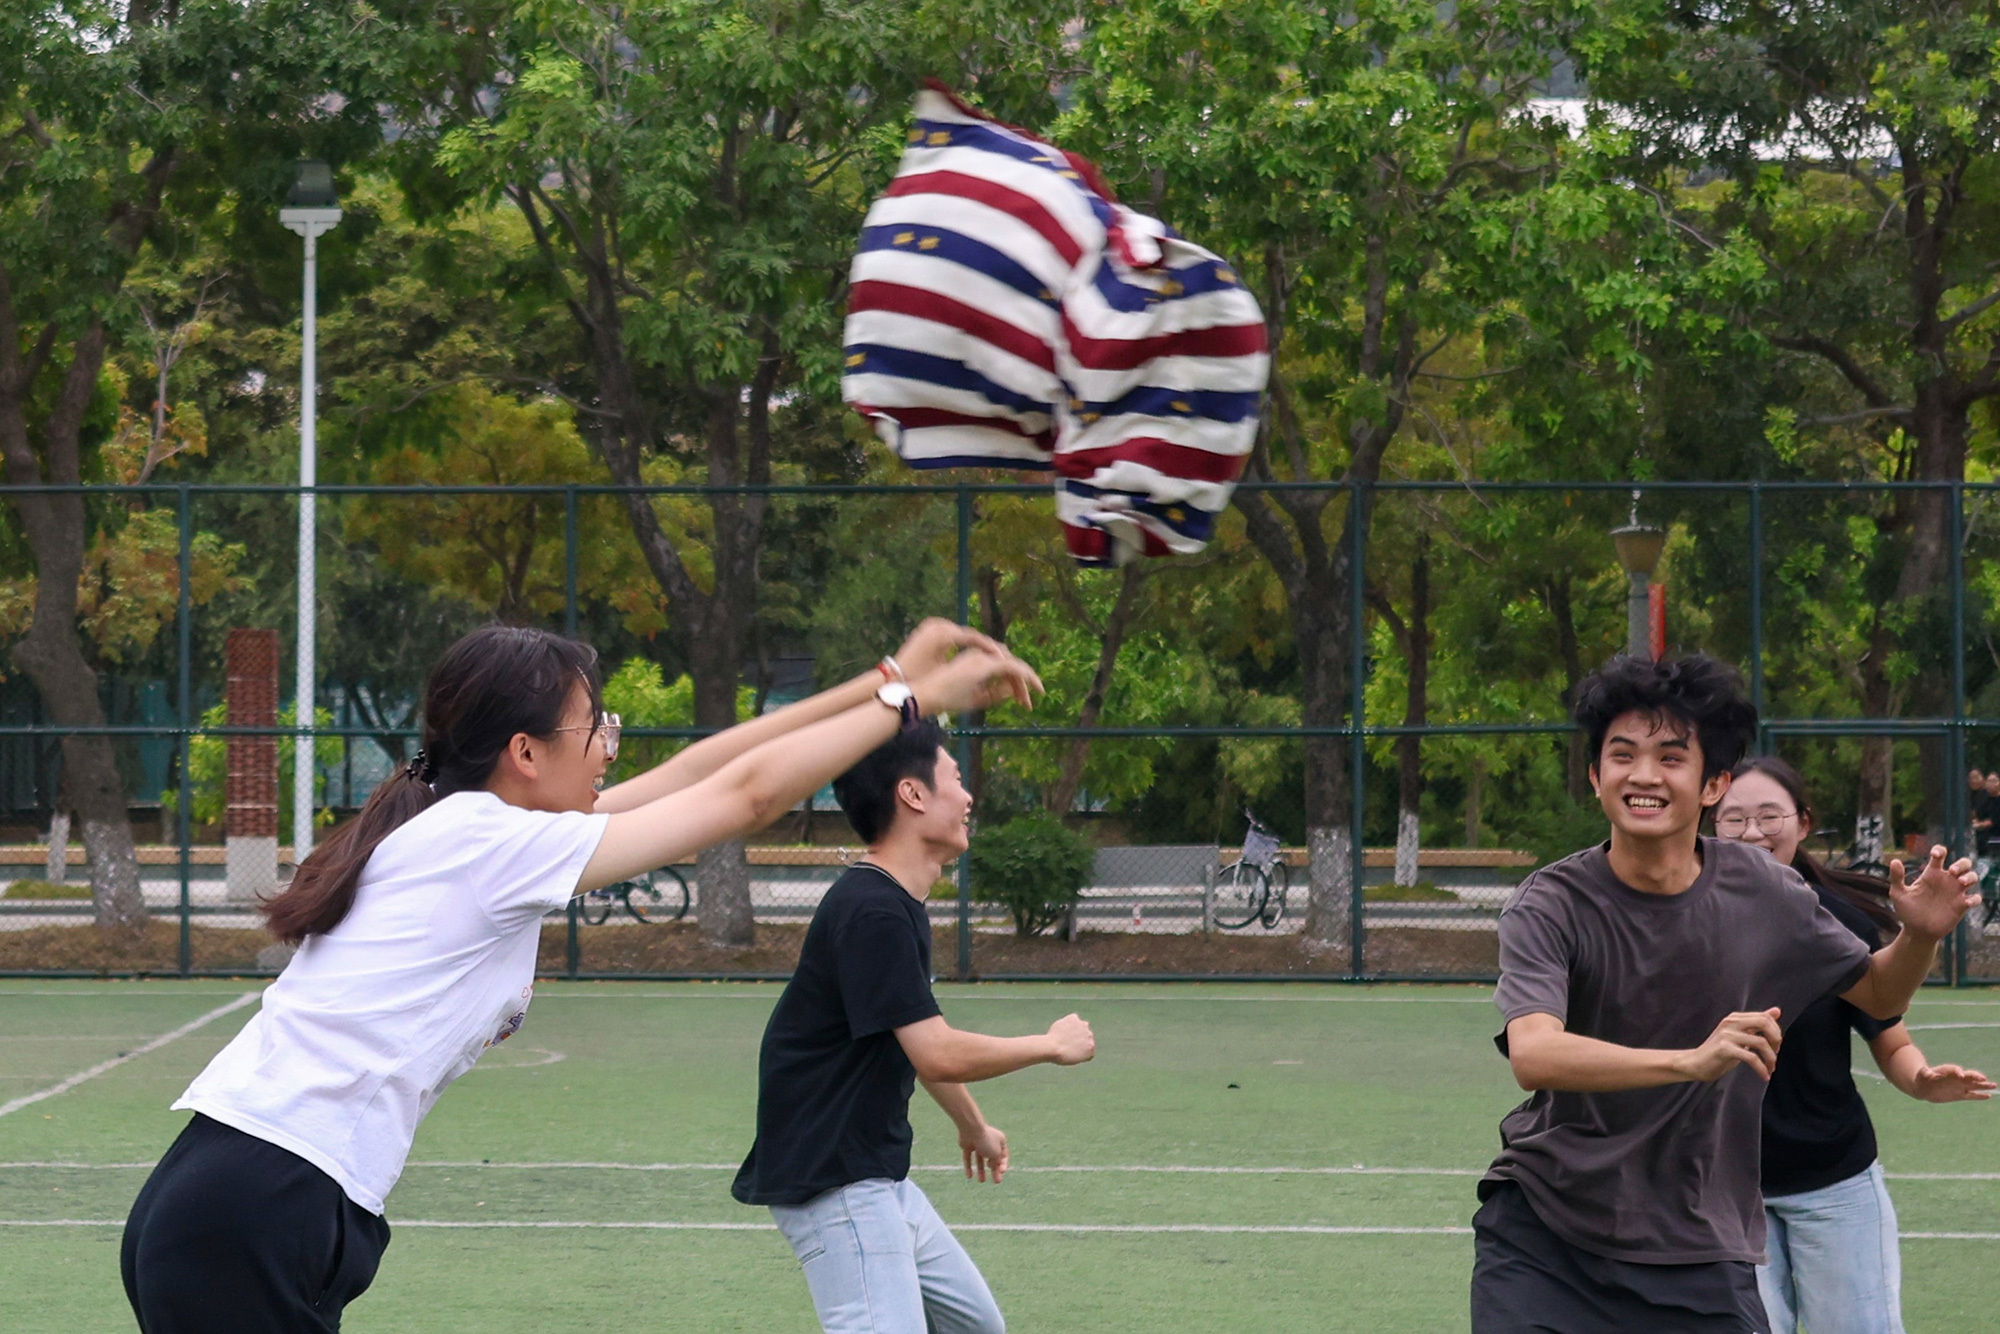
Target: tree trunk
1475	784
58	855
1576	754
53	658
726	915
51	653
1416	707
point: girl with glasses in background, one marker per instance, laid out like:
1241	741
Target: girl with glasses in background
1834	1265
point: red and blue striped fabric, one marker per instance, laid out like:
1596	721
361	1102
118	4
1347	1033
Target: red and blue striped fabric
1006	312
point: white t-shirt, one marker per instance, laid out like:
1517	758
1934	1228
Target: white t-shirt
434	963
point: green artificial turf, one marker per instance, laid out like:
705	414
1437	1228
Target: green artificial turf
629	1103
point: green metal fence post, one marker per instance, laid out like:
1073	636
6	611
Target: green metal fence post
964	970
573	948
1357	711
1958	813
184	711
569	560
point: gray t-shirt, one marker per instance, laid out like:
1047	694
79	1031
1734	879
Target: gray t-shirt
1662	1175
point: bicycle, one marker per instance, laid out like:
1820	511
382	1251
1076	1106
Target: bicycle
1253	887
1853	858
656	896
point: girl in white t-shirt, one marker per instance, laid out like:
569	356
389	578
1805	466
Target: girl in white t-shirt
418	924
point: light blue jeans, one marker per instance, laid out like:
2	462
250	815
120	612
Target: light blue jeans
1835	1267
879	1260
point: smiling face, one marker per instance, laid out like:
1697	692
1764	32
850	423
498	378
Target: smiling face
1649	781
558	772
1759	811
937	814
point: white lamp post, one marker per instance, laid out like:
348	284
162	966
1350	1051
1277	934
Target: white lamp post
312	209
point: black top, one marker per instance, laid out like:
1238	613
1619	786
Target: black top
833	1084
1816	1127
1986	806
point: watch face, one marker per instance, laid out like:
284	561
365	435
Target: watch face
895	694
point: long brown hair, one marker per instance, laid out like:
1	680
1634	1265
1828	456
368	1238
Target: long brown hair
494	684
1867	894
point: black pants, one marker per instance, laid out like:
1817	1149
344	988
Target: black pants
233	1234
1527	1280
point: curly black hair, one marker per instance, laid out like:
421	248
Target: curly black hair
1702	694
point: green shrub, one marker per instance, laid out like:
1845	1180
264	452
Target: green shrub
1032	866
45	889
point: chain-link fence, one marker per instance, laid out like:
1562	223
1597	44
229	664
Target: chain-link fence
1184	705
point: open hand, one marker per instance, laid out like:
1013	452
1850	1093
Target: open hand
1748	1037
976	678
1951	1083
985	1151
1932	904
932	643
1075	1043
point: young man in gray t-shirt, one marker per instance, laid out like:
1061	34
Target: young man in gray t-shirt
1638	981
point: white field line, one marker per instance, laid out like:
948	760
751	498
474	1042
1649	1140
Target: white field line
1062	1169
1927	1028
65	1085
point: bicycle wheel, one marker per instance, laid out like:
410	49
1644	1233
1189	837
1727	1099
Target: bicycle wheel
1280	876
1239	895
673	888
595	906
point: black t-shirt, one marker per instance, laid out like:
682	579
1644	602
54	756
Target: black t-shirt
1816	1127
833	1084
1986	806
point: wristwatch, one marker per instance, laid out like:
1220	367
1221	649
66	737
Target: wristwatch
902	699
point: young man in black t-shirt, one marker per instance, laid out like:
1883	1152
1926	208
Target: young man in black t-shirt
1639	979
855	1030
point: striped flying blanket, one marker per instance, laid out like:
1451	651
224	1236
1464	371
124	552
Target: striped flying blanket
1006	312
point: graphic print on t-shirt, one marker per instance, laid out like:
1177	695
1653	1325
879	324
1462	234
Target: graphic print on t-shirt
514	1021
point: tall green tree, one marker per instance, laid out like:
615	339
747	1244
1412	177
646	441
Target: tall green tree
1356	161
693	175
119	124
1850	150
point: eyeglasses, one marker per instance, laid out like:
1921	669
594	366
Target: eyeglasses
1765	822
608	728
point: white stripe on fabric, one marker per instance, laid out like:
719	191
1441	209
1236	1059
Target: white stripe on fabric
968	217
978	290
926	445
894	391
939	339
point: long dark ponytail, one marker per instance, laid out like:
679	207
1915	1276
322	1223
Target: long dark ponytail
1866	893
492	685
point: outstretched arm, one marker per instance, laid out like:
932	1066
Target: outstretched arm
756	788
1903	1065
946	1055
1545	1056
983	1147
929	646
1929	908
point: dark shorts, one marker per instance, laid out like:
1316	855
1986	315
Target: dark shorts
1527	1280
232	1233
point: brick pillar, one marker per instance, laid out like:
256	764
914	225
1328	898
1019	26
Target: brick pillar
250	820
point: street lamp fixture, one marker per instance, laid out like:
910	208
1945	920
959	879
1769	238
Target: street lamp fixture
1639	546
312	209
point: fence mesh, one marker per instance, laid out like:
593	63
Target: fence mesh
1479	607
